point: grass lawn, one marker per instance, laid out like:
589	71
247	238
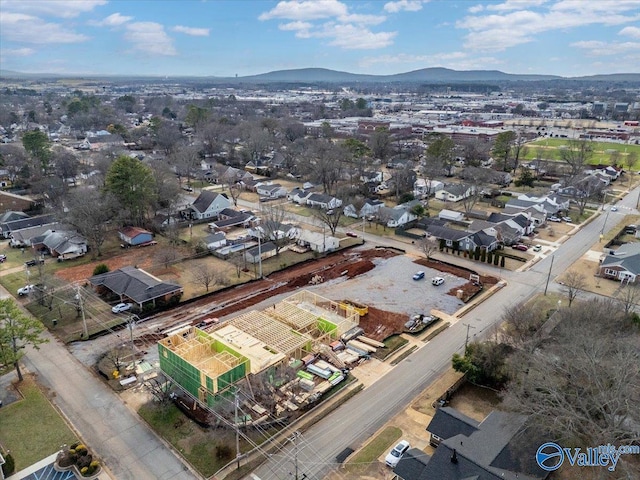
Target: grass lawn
603	152
376	447
31	428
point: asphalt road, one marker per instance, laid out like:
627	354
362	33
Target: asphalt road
361	416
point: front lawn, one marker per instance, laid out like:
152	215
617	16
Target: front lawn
369	453
31	428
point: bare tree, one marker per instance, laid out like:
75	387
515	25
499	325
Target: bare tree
629	162
577	388
428	246
574	283
234	193
521	325
205	275
160	387
576	156
629	295
239	262
166	256
330	218
273	225
91	212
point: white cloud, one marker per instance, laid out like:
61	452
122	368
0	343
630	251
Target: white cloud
476	9
150	37
400	5
306	10
29	29
195	32
113	20
54	8
633	32
17	52
495	32
604	49
353	37
509	5
330	19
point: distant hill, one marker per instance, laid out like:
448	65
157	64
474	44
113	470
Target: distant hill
436	75
324	75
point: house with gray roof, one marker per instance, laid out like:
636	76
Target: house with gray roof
208	205
6	229
61	244
131	284
321	200
623	264
495	449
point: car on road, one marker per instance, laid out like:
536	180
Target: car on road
520	246
567	219
553	218
418	275
3	258
351	234
34	262
122	307
26	290
537	248
614	209
437	281
394	456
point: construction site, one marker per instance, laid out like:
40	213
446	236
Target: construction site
287	356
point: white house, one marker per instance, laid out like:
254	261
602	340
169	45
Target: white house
454	193
425	188
394	217
323	201
299	196
317	241
370	208
450	215
215	240
271	190
208	205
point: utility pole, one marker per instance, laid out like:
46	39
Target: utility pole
548	276
85	331
294	439
466	340
235	402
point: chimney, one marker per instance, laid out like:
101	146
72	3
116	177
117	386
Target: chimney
454	456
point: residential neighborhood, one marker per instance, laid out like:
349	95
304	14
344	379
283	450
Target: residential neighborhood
408	278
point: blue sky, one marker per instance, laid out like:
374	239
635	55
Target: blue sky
246	37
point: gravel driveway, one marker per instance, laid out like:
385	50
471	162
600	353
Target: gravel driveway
390	287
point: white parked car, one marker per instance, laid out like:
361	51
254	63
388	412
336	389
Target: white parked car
26	290
121	307
394	456
437	281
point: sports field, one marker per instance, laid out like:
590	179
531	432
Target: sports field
603	152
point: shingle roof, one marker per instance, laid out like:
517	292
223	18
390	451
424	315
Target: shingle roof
411	464
204	200
627	256
447	233
27	222
448	422
135	284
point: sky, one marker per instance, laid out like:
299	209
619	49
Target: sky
225	38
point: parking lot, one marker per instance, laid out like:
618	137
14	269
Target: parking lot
390	286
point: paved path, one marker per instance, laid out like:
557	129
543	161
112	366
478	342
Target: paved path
130	450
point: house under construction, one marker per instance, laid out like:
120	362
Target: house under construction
206	362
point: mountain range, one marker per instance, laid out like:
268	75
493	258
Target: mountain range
323	75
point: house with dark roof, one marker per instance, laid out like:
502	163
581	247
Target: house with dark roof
6	229
61	244
623	264
134	236
495	449
215	240
299	195
264	251
411	465
130	284
208	205
229	217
